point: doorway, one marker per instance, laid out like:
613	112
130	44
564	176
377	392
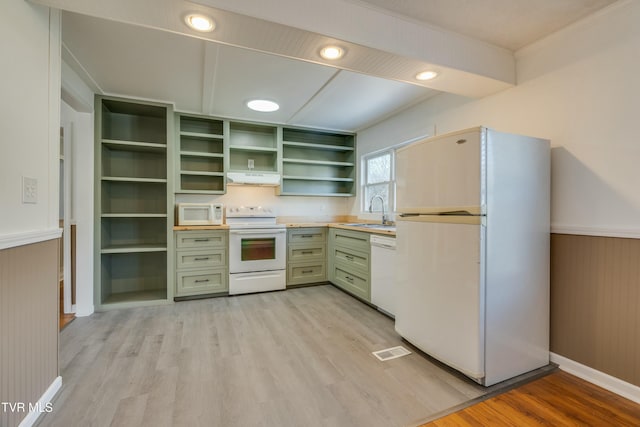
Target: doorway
67	243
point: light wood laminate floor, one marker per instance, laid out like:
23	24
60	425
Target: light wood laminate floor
300	357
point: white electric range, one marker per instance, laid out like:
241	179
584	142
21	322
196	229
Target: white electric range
257	250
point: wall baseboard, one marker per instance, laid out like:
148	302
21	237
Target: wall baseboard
85	311
595	231
28	237
43	404
606	381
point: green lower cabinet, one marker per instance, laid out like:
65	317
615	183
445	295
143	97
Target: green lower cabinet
352	281
201	262
349	262
306	256
200	282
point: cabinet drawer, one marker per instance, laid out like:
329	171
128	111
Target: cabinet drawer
308	235
208	258
199	282
352	259
358	240
304	252
353	283
201	239
306	272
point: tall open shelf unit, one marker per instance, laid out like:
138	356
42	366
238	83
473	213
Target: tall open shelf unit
134	203
201	151
317	163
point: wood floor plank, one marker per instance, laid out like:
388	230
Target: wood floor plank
558	399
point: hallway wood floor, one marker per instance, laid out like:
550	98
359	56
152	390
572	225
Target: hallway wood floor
559	399
301	357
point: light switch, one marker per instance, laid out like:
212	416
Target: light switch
29	190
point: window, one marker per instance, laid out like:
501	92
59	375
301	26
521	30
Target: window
379	179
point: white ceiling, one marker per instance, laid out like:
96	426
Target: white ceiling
511	24
216	74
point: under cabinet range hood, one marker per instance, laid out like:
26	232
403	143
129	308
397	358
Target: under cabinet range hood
253	178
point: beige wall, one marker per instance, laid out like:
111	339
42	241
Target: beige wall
595	303
28	325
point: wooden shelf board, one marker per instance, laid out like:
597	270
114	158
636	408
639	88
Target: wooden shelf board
201	154
132	215
316	162
130	179
201	135
186	172
317	146
134	145
124	249
182	191
286	193
252	148
137	296
317	178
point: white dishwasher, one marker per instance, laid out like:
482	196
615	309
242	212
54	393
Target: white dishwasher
383	261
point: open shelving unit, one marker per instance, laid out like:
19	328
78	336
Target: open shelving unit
201	152
133	207
253	147
317	163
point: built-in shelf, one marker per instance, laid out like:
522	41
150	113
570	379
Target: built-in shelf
200	165
132	229
317	163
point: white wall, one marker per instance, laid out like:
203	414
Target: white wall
284	205
29	116
579	88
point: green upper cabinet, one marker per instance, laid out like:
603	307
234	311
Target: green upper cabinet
253	147
200	155
317	163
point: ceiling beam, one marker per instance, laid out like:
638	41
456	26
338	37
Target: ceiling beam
377	44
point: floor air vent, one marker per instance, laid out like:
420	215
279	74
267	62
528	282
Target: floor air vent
391	353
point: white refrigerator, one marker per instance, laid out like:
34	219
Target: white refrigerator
473	251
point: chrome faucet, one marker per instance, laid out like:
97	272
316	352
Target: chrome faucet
384	217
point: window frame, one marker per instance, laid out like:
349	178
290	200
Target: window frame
391	203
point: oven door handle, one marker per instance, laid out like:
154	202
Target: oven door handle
257	232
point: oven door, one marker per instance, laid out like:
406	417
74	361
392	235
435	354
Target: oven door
257	250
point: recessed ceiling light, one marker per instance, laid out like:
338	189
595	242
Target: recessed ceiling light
200	22
263	105
426	75
332	52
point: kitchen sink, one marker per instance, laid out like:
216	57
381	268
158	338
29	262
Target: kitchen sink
374	226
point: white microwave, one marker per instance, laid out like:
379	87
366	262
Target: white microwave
200	213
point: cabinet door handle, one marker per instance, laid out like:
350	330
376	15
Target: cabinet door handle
349	279
307	271
349	257
306	236
201	259
201	240
307	252
202	281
